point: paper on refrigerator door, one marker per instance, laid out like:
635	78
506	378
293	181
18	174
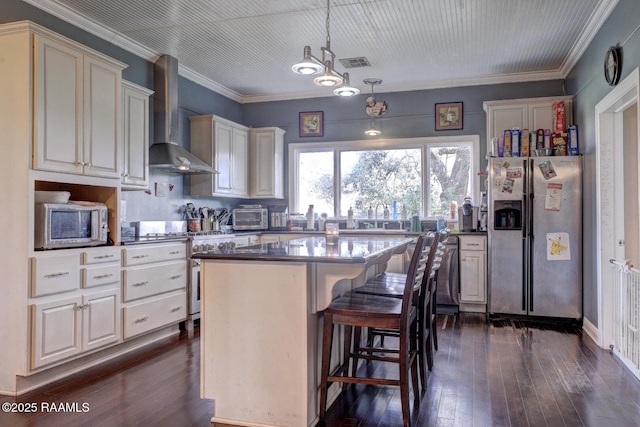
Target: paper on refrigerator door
558	247
553	197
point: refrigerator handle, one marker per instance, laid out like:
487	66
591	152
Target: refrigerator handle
525	210
531	236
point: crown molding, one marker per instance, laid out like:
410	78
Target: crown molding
587	35
126	43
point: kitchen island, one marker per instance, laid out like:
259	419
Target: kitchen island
261	323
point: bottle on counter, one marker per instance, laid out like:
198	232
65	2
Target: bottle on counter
370	213
453	208
310	218
385	212
394	208
350	218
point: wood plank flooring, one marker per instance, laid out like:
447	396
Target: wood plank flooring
502	373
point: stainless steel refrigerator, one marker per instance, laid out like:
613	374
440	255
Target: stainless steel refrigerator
535	236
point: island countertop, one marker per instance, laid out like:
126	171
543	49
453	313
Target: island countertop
336	249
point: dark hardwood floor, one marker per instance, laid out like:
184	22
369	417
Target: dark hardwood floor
503	373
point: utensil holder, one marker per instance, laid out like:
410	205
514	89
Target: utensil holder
194	225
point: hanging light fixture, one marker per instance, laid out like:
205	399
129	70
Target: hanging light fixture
329	77
346	89
374	108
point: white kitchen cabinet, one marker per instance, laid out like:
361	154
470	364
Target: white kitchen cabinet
152	313
473	272
77	107
56	327
225	146
75	302
154	286
101	318
66	327
266	160
526	113
135	136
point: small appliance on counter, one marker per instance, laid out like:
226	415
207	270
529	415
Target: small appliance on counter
250	217
468	216
278	217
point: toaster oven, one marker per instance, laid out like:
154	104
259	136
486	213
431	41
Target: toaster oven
250	219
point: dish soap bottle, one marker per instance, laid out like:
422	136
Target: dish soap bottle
370	213
310	225
385	212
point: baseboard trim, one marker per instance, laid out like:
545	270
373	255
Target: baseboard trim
25	384
591	331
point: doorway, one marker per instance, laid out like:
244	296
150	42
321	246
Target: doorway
617	192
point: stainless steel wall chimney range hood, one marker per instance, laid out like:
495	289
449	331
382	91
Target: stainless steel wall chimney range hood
165	154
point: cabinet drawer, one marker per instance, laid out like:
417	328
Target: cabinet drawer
140	282
472	243
161	311
100	275
53	274
145	254
96	256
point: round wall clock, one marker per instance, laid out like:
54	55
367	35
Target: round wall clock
612	66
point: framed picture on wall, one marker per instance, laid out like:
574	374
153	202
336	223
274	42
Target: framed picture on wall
449	116
312	123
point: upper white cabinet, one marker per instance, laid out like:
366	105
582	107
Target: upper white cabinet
223	145
77	109
528	113
135	136
266	160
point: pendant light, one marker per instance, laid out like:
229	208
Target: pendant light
346	89
329	77
374	108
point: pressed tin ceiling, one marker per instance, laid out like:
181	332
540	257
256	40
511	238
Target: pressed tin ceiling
244	49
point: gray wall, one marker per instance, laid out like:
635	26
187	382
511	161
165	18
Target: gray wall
587	84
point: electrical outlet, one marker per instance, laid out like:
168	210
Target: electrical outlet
162	188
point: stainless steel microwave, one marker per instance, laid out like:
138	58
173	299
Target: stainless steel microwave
69	225
250	219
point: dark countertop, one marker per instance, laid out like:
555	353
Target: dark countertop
346	250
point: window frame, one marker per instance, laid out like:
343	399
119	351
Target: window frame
424	143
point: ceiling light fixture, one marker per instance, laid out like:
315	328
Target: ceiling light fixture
329	77
374	108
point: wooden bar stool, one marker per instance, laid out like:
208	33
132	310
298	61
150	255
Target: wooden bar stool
392	285
355	310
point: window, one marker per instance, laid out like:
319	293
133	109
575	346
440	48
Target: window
422	175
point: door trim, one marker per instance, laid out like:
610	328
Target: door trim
609	174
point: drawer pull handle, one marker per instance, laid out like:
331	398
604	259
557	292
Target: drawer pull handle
175	252
102	276
177	276
473	244
173	310
104	256
140	256
142	319
54	275
135	285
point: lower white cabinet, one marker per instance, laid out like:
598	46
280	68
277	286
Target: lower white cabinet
154	287
152	313
71	325
473	269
